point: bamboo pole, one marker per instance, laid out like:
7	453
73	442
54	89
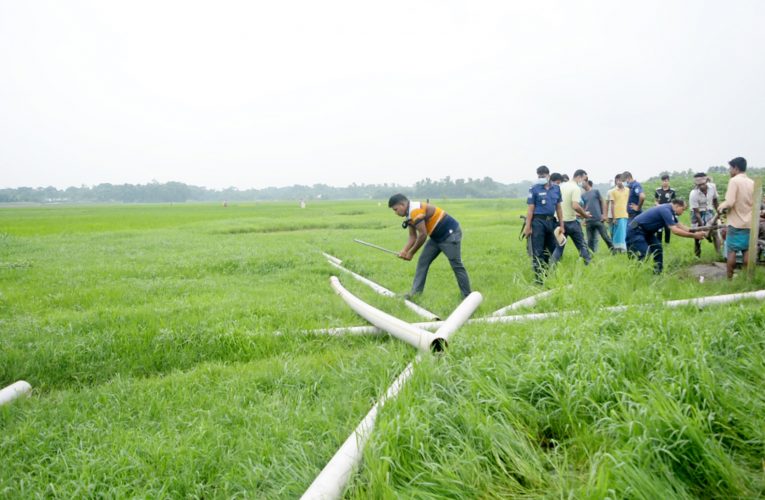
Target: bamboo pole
754	228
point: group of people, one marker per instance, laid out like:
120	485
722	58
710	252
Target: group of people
557	206
632	229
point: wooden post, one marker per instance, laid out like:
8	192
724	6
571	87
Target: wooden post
754	229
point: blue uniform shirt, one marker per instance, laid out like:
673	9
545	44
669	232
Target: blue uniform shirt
635	190
656	218
544	200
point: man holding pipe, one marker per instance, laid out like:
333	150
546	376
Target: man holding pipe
423	220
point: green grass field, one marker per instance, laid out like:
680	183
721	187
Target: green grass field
167	349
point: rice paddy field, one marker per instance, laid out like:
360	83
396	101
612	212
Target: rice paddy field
168	350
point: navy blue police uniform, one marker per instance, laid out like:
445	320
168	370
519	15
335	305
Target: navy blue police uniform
642	238
545	201
661	196
635	191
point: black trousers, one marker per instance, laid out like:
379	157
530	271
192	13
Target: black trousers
542	244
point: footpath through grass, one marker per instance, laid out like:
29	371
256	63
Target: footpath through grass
167	350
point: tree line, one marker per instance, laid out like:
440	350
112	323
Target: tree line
178	192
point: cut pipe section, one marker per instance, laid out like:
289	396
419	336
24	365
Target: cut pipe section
421	311
412	335
458	318
14	391
332	479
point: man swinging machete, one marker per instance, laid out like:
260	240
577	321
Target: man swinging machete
423	220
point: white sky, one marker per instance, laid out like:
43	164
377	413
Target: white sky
261	93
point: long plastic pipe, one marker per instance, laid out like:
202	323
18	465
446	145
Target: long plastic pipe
331	481
527	302
417	337
14	391
332	258
432	325
421	311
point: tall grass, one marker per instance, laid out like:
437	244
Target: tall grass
168	352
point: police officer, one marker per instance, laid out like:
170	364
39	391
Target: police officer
642	239
636	198
544	204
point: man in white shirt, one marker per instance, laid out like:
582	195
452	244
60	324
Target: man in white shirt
703	199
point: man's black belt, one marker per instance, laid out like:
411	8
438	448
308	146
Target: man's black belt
544	217
634	225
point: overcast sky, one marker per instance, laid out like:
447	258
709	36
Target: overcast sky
274	93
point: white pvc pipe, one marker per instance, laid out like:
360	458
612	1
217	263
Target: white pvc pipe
332	258
433	325
331	481
421	311
460	315
716	299
417	337
371	284
527	302
14	391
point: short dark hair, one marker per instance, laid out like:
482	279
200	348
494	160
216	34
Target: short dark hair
396	199
556	177
589	182
739	163
618	177
579	173
564	177
678	201
665	177
627	175
543	170
699	174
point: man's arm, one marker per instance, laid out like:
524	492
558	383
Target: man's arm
578	209
730	197
681	230
696	216
603	208
410	242
417	237
529	218
641	199
559	212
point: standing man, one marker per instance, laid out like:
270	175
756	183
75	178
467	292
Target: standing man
702	199
641	233
663	195
544	203
596	206
423	220
739	203
617	201
571	194
636	198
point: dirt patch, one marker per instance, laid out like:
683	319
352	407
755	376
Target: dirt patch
713	271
